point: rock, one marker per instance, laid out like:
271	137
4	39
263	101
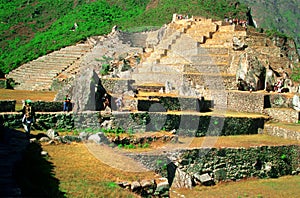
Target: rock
44	153
87	91
33	140
238	44
44	139
162	186
182	179
52	134
135	186
69	138
205	179
296	102
84	135
95	138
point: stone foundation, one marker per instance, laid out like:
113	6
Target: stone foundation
188	124
281	132
58	120
283	114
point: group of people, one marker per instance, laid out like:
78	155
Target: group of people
28	110
236	21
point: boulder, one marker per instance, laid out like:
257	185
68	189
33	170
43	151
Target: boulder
52	134
87	91
205	179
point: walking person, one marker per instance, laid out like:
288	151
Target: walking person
28	117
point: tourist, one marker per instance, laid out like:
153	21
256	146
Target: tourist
28	116
251	87
67	102
105	101
278	85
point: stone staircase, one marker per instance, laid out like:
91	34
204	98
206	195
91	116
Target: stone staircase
193	52
39	74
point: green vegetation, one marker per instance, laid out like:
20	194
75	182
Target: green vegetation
32	28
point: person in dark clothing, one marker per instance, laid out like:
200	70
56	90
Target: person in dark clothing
28	116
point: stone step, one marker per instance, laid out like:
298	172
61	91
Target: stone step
209	59
215	68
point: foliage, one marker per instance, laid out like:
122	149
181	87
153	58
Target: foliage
296	74
29	29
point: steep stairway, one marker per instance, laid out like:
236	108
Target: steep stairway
192	52
39	74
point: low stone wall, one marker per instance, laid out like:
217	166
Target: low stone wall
283	114
58	120
163	104
245	102
188	125
237	163
281	132
7	105
48	106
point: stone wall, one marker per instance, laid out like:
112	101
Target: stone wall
7	105
238	163
279	100
162	104
245	102
256	102
283	114
189	125
48	106
58	120
281	132
117	85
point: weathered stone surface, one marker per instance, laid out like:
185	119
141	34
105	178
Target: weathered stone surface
206	179
182	179
87	91
296	102
51	133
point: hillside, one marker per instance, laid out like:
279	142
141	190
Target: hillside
32	28
279	15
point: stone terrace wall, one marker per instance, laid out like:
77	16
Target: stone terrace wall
189	125
59	120
45	106
7	105
245	102
256	102
283	114
162	104
237	163
281	132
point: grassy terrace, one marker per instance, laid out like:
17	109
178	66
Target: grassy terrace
89	170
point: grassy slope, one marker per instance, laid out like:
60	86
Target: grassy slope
279	15
32	28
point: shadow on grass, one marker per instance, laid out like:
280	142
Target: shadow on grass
34	174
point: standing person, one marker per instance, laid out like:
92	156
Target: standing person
28	116
67	101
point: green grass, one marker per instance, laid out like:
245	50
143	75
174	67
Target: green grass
32	28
